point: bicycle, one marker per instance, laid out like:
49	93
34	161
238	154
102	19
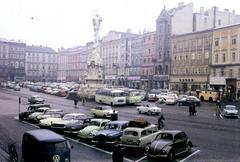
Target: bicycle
13	156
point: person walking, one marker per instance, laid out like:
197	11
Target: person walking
117	154
75	103
160	121
190	110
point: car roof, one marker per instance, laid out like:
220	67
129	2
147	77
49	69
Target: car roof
173	132
45	135
118	122
139	129
99	119
74	114
39	105
230	106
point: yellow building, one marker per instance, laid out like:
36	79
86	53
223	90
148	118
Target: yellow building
190	60
225	62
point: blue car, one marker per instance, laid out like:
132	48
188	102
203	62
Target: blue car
186	101
111	133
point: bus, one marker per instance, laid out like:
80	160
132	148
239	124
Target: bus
110	96
209	95
133	96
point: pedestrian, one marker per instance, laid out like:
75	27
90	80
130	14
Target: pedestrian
117	154
83	100
190	110
75	102
193	109
218	103
160	121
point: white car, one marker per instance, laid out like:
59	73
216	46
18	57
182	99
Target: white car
170	100
70	118
46	123
104	112
162	95
230	111
32	117
149	109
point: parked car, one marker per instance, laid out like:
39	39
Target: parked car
149	109
230	111
33	116
72	129
186	101
47	122
162	95
31	109
70	118
42	113
17	87
104	112
170	100
93	127
138	134
35	99
168	144
44	145
111	133
151	97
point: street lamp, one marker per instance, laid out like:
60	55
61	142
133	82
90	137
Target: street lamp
116	66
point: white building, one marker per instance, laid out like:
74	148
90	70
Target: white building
116	56
213	18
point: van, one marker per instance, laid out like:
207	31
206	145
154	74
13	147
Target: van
44	145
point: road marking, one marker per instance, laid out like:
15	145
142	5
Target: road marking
107	152
190	156
141	159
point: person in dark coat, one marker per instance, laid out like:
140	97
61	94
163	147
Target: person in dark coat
160	121
75	103
117	155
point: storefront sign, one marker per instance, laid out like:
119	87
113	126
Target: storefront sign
133	78
161	77
217	81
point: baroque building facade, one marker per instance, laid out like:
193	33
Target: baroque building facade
225	61
12	60
191	56
72	63
41	63
116	57
178	20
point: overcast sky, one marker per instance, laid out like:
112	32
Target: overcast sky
68	23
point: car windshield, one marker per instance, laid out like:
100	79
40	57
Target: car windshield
54	147
113	126
68	117
107	108
96	123
131	133
165	136
230	107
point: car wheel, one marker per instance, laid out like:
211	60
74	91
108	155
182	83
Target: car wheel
149	113
139	111
170	156
189	149
104	116
94	115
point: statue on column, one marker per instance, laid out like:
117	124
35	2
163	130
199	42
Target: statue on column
95	55
94	72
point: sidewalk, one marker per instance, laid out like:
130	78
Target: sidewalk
3	156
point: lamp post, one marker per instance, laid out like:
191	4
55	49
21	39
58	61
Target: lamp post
116	66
